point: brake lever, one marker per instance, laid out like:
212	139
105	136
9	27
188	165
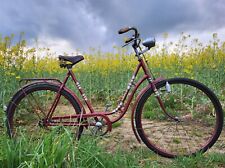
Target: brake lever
129	42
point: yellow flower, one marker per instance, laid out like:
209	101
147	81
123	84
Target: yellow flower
12	74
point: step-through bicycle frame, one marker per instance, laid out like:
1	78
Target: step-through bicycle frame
124	102
121	108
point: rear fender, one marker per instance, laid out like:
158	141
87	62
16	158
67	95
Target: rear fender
135	105
52	83
76	98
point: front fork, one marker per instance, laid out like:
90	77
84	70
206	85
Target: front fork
158	97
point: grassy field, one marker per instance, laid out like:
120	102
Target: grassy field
60	150
104	77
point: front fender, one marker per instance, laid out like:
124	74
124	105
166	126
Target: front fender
136	102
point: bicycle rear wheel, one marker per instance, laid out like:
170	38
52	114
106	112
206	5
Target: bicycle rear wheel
30	105
194	126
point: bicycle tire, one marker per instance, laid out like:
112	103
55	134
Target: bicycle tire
204	116
17	120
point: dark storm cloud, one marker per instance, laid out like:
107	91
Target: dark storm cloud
94	23
157	16
58	19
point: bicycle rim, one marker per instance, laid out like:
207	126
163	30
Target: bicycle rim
29	109
199	114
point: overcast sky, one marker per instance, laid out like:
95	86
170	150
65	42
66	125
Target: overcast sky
66	25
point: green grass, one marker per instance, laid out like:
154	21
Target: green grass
212	160
60	150
117	124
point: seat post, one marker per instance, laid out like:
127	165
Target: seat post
69	67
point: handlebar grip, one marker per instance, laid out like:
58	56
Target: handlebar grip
124	30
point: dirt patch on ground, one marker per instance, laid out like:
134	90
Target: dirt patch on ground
123	137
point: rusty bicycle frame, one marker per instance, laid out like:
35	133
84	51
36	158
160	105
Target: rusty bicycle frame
122	106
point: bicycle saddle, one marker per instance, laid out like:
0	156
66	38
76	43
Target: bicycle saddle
71	59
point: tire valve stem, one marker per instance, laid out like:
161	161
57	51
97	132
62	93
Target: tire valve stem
168	89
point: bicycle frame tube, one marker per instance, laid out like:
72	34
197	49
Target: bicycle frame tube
123	107
88	103
151	85
58	95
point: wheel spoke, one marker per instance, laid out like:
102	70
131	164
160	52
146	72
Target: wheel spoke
198	118
28	110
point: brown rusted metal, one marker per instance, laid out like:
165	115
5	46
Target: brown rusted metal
77	116
83	116
135	104
27	80
88	103
57	97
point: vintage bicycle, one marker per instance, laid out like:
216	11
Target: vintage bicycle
173	117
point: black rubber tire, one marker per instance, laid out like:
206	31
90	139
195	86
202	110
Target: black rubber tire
21	94
212	97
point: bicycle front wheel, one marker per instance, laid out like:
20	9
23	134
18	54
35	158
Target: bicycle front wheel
29	108
194	122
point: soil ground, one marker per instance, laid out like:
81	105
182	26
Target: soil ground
123	137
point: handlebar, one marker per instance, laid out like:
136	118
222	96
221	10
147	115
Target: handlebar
126	29
135	40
